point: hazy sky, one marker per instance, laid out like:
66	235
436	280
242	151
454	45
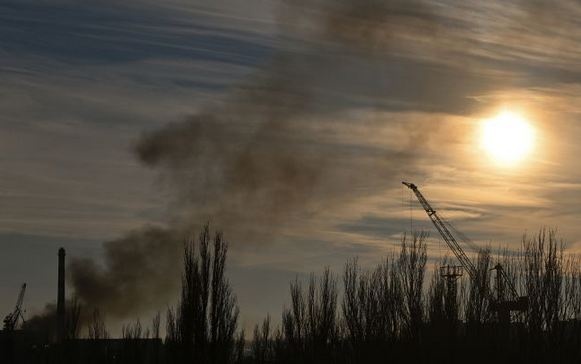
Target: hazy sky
288	125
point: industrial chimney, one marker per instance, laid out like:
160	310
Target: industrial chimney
60	306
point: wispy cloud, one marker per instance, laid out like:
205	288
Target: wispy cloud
360	97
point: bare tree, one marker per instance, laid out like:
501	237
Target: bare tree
97	327
133	331
293	319
261	342
207	315
240	345
310	326
73	318
155	325
478	307
411	267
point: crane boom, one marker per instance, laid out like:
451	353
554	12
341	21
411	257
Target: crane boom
457	249
444	231
501	305
20	297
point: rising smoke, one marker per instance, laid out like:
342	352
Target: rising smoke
275	147
278	147
142	269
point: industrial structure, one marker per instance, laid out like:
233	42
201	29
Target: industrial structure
11	320
60	305
55	341
501	304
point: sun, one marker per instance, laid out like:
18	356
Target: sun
507	138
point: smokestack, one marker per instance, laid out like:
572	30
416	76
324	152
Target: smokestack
60	308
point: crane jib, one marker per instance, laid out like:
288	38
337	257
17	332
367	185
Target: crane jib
443	230
502	306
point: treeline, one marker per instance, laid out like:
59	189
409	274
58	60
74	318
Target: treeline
395	312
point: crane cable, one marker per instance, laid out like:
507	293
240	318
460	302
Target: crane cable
402	202
410	202
411	216
410	207
466	240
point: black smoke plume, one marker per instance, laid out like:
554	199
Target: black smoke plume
280	147
141	271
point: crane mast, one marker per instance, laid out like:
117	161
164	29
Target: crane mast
11	319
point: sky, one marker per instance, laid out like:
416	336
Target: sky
288	125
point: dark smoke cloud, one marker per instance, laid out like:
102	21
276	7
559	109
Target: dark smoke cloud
141	271
367	24
278	148
273	149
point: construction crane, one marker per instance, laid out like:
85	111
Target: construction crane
502	306
11	320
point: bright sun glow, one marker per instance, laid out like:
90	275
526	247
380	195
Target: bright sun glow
507	138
